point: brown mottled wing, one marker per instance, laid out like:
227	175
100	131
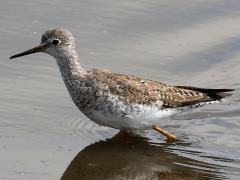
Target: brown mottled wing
132	89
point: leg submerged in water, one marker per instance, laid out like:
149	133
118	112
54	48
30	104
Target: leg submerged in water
170	137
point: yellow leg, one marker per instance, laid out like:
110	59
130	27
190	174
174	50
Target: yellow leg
170	137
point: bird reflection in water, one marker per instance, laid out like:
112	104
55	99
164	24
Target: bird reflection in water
131	157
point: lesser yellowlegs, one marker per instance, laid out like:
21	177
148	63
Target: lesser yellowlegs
117	100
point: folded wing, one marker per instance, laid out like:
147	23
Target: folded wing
132	89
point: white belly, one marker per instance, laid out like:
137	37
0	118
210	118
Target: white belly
125	118
112	112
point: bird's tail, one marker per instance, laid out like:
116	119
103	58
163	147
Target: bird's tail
215	94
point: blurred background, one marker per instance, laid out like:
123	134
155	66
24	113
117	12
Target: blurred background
188	42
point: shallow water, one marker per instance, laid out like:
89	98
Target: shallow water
44	136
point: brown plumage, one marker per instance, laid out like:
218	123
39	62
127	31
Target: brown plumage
133	89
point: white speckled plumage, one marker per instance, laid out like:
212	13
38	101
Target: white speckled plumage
117	100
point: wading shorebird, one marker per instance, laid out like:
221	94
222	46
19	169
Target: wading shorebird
117	100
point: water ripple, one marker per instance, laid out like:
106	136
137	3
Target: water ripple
79	124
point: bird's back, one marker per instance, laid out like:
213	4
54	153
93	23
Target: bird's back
132	89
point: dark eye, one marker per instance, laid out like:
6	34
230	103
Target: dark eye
56	42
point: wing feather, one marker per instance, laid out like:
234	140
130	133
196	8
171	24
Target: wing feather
133	89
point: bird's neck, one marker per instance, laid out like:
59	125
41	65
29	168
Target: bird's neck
71	70
69	64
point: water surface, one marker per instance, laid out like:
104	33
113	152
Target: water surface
44	136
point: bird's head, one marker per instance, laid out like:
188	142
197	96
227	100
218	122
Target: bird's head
54	42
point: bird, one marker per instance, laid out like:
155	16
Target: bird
117	100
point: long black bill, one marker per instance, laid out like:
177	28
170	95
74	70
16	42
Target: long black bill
36	49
